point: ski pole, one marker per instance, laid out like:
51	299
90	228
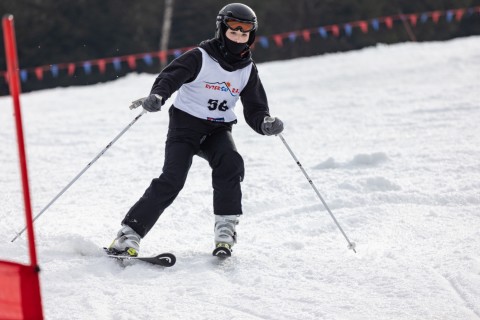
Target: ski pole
351	245
82	172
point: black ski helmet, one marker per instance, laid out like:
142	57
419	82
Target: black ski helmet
239	12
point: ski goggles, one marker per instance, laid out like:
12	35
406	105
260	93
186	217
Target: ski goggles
239	25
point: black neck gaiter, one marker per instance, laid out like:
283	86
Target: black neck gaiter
235	48
227	60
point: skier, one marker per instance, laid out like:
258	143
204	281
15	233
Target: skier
210	79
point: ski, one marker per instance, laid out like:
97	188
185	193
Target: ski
222	251
163	259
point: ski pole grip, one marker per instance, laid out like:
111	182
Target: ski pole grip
268	119
137	103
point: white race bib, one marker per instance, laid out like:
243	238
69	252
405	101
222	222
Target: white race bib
214	93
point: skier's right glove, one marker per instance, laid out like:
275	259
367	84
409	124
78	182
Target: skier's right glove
152	103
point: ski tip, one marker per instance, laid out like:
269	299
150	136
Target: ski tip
222	251
167	259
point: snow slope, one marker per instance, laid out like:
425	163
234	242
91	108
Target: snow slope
390	136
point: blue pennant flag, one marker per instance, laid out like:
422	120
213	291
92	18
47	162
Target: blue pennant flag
24	75
264	42
54	70
148	59
87	67
117	64
348	29
424	17
375	24
323	32
450	15
177	53
292	36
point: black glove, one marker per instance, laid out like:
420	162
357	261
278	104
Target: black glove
272	126
153	103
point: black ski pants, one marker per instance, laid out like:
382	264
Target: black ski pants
189	136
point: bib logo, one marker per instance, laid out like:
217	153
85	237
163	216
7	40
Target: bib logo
222	86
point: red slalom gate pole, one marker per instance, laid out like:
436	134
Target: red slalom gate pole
14	84
30	304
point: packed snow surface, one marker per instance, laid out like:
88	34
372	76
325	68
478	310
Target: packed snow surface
389	135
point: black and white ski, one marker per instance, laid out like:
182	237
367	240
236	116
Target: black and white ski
163	259
223	250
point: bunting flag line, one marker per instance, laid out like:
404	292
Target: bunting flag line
335	30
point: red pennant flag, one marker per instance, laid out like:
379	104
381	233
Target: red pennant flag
101	65
413	19
363	26
278	40
389	22
71	69
132	62
306	35
436	16
39	73
335	30
162	55
459	14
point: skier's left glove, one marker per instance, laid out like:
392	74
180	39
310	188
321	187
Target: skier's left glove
152	103
272	126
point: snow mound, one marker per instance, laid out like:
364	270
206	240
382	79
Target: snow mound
359	160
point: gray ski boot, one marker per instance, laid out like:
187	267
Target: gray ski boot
127	243
225	235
